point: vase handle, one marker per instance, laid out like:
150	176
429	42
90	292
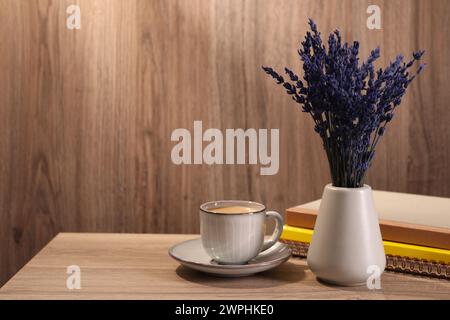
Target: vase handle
278	229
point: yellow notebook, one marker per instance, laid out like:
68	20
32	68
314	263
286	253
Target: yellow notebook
390	248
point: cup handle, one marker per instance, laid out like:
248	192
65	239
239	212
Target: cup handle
278	229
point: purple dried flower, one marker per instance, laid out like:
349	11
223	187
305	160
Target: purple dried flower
418	54
274	75
291	74
350	103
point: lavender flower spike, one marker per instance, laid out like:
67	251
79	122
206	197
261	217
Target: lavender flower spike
350	103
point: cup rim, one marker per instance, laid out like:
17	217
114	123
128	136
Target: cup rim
204	206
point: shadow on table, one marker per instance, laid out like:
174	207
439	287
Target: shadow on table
286	273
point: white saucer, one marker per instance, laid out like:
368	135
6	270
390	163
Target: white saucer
191	254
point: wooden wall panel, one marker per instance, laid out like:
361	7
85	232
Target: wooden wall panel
86	115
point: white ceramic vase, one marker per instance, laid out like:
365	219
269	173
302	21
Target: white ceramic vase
346	247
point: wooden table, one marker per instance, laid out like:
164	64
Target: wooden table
137	266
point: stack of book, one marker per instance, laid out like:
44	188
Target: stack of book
415	231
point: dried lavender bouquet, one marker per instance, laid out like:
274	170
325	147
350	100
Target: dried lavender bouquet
350	103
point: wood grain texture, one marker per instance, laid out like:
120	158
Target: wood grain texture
137	266
86	115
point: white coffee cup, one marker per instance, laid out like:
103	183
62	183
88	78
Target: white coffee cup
233	231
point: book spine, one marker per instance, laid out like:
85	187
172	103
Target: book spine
390	230
409	251
393	263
